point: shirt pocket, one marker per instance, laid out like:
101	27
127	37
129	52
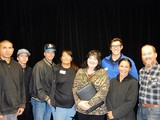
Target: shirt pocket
154	82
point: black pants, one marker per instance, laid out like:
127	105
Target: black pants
27	114
81	116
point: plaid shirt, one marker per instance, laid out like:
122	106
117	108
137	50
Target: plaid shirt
149	92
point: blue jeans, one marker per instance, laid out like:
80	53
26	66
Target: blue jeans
148	113
10	117
60	113
41	110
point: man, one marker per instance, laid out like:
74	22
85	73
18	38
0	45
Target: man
149	92
40	86
110	63
22	57
12	87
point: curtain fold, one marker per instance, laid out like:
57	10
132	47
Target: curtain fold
80	25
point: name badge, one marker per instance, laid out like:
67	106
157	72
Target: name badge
62	72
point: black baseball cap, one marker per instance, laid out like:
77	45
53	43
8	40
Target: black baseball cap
49	48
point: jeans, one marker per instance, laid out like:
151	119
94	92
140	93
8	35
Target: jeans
10	117
60	113
148	113
41	110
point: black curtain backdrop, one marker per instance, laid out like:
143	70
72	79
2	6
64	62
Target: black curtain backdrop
80	25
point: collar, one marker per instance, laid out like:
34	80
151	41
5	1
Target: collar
114	62
128	77
48	63
154	67
1	60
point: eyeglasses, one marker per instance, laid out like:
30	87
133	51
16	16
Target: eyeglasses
115	46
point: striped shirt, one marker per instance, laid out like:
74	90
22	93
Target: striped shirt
149	92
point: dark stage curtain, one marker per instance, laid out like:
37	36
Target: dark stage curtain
80	25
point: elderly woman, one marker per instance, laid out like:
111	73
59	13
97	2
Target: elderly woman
91	73
123	92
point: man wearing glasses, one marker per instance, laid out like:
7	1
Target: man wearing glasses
110	63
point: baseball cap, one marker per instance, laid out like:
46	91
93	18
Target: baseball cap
20	51
49	48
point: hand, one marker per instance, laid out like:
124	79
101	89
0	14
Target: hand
20	111
84	105
1	117
110	115
49	101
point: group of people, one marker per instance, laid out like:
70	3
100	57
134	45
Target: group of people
50	89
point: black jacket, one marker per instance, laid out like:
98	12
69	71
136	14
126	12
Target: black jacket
40	85
122	98
27	71
12	87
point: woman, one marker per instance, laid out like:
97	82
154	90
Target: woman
91	73
123	92
64	101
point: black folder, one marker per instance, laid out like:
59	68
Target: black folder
86	93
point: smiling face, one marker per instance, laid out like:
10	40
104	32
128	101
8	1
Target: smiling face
124	67
66	58
92	61
116	47
49	55
148	55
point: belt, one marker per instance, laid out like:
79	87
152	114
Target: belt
150	105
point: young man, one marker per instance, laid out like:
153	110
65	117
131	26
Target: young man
22	57
40	86
149	92
110	63
12	87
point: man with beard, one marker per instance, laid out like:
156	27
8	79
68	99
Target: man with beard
149	92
